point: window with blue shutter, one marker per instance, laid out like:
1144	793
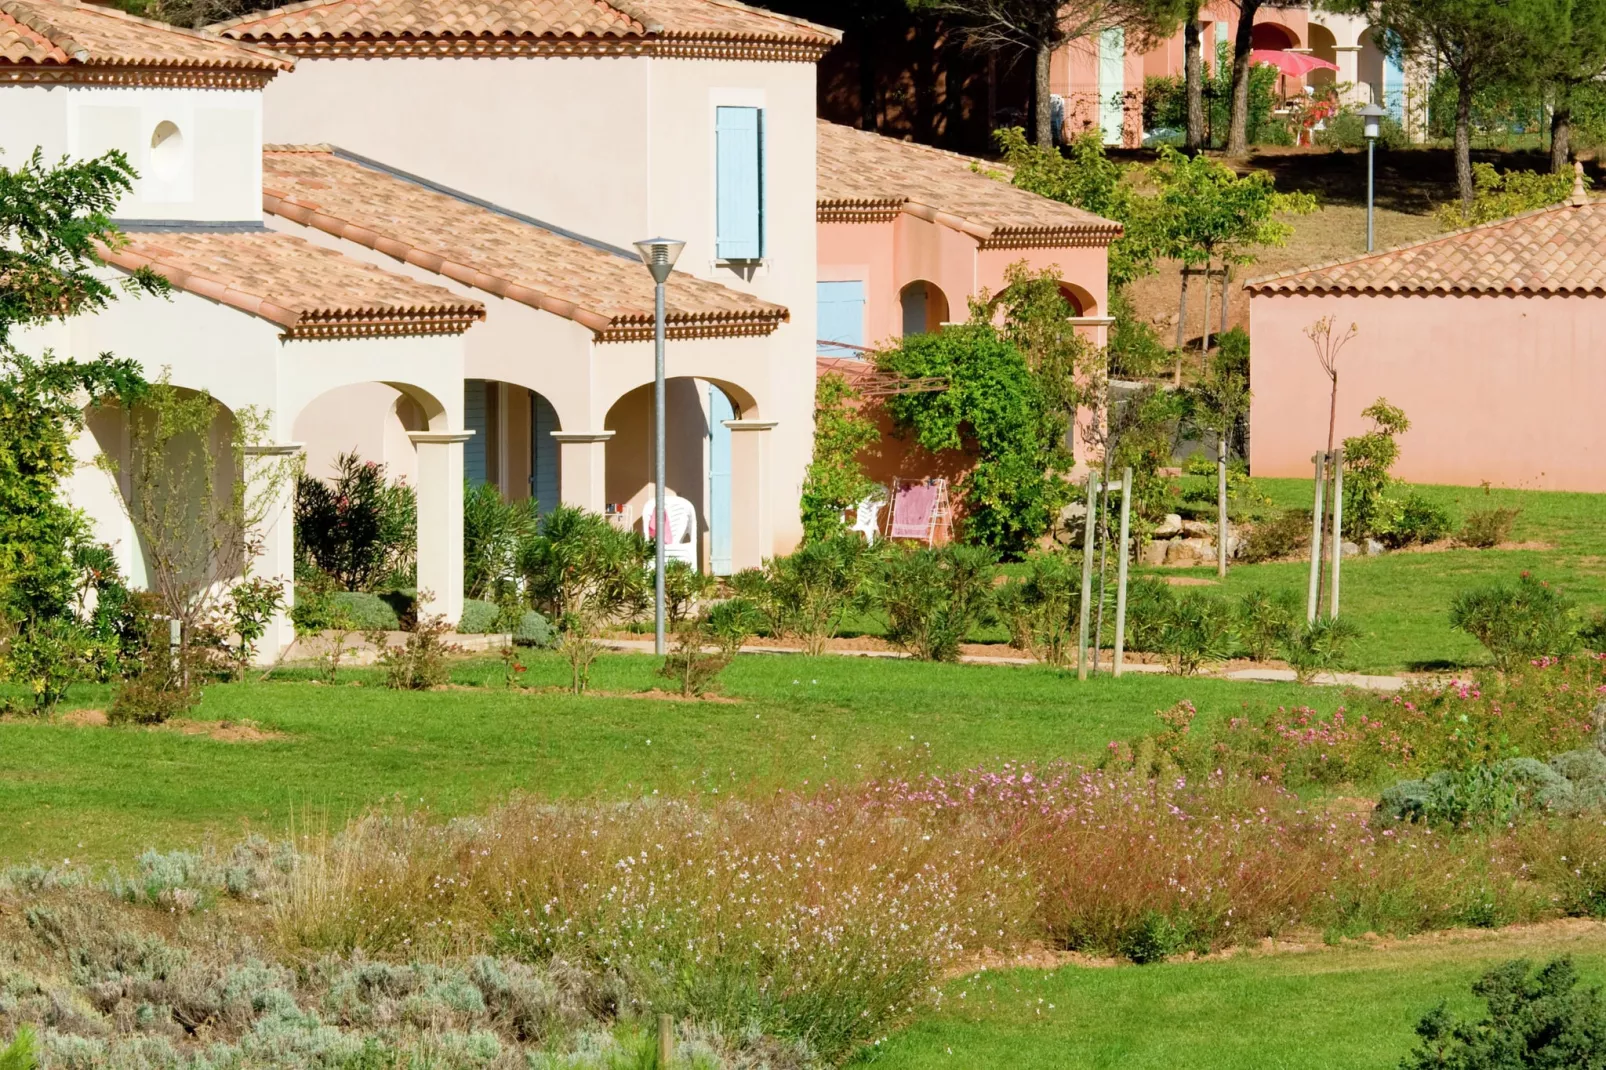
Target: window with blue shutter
841	318
739	183
474	420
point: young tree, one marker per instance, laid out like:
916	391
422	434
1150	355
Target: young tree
53	222
1043	27
1211	213
200	495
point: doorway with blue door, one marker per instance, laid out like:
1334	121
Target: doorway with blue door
512	447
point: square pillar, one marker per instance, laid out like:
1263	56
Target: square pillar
583	467
276	539
440	521
752	525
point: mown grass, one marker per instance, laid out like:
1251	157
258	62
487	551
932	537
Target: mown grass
1401	601
96	792
1353	1007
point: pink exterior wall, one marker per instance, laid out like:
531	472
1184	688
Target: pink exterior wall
1497	388
889	256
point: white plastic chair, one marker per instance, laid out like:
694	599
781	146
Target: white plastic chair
867	515
681	544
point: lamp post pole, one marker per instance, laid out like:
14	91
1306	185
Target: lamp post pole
659	254
1370	116
659	527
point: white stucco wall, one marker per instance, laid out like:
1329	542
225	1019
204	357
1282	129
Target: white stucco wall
614	148
207	167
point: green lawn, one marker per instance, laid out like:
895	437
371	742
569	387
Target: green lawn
1401	600
1352	1008
98	792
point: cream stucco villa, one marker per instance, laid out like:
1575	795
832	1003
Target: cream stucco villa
404	228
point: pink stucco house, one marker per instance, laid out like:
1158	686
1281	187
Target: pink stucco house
909	235
1101	78
1489	339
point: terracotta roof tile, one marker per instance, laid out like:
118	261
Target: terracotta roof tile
310	291
864	176
686	27
1554	251
604	289
64	35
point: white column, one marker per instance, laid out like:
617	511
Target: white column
752	525
1348	58
583	467
440	521
277	542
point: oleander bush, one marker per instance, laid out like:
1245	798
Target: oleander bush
1516	623
1487	528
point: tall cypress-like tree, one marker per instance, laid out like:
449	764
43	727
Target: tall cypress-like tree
1576	56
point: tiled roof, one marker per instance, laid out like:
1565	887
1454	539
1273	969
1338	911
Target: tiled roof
490	249
1554	251
864	177
310	291
64	40
699	28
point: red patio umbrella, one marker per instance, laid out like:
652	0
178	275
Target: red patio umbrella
1294	64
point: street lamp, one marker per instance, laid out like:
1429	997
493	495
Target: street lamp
659	254
1370	115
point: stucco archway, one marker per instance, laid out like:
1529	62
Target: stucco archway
923	307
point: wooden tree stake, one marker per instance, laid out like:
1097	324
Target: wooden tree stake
1221	504
666	1041
1320	460
1087	571
1338	523
1120	583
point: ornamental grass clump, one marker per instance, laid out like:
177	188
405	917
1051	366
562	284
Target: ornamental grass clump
808	918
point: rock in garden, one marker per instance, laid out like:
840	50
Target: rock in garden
1198	529
1170	527
1154	553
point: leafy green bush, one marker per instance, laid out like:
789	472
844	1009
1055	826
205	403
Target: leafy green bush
1484	795
1487	528
1265	620
493	531
835	481
1368	460
419	663
1285	535
996	409
479	618
725	626
1322	645
1196	630
1543	1020
1042	608
934	596
684	589
1500	194
1516	623
534	630
156	685
806	594
1347	130
48	655
359	529
365	611
1414	521
1149	604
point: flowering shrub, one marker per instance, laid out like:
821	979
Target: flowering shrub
1541	710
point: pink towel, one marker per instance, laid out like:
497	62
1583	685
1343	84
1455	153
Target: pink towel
911	511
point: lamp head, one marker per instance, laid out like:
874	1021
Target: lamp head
1370	115
660	254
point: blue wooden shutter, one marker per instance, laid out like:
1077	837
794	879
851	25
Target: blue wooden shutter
545	479
474	420
719	482
1112	84
739	183
841	317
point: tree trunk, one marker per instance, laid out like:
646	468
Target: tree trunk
1243	42
1193	83
1041	94
1561	130
1463	142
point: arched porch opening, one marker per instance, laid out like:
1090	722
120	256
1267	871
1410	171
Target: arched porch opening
1323	45
709	460
1273	35
924	307
513	446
